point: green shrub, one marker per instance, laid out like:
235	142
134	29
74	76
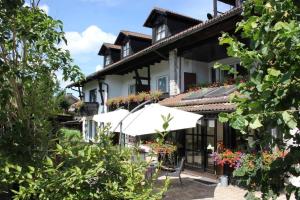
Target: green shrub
83	171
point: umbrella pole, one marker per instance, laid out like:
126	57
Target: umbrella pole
120	123
121	135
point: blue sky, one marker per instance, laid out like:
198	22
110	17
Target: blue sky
89	23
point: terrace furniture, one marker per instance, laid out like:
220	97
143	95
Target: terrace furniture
178	170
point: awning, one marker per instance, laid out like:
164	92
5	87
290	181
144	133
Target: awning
113	118
149	119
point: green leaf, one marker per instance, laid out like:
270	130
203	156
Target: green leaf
255	124
6	169
18	168
274	72
49	162
223	117
239	122
289	120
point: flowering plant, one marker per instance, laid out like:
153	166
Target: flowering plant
233	159
143	96
159	148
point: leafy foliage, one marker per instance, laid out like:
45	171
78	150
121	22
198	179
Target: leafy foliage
30	58
84	171
270	98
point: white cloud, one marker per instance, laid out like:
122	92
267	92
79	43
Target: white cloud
99	67
88	41
44	7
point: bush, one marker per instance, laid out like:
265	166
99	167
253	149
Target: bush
83	171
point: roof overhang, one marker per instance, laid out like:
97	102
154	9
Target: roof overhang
201	32
140	36
230	2
107	46
159	11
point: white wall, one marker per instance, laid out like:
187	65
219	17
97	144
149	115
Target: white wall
158	70
201	69
228	61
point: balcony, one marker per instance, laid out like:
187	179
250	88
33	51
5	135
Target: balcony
88	108
131	101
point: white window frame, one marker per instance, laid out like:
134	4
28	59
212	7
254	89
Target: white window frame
107	60
161	32
126	49
167	83
90	96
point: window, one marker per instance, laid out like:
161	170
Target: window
93	95
90	133
107	60
162	84
126	49
95	130
131	89
161	32
213	75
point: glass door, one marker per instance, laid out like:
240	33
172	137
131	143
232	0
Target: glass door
210	144
194	147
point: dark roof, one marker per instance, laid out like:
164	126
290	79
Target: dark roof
161	11
216	108
164	42
140	36
231	2
106	46
202	103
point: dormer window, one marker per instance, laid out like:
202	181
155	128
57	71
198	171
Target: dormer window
107	60
161	32
126	49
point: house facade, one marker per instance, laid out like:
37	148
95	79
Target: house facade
179	55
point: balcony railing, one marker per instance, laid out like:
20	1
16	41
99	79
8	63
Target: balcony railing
89	109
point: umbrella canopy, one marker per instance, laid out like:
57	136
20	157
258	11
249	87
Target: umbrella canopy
149	119
113	118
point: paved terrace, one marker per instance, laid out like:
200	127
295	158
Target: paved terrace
194	190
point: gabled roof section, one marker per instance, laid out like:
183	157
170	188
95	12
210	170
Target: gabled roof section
131	34
236	12
160	11
106	46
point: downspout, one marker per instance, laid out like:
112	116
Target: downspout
107	90
180	81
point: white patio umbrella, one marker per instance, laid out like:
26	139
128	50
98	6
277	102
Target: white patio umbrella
149	119
113	118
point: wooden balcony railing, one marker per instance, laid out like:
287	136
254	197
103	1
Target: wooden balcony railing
89	109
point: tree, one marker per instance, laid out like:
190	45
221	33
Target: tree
30	57
268	103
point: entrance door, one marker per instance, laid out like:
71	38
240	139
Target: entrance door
201	142
210	145
190	79
194	147
213	138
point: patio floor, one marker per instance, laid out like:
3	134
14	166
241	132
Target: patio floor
194	190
